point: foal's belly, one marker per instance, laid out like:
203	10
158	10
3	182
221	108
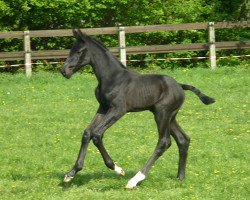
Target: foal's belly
144	92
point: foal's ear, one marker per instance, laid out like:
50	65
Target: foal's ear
75	33
82	35
79	34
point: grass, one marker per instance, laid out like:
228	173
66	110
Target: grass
42	120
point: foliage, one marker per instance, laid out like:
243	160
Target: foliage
46	14
42	120
19	15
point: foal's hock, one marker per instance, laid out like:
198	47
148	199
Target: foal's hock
121	90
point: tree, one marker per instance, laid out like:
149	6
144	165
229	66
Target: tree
20	15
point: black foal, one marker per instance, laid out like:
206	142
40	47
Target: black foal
120	91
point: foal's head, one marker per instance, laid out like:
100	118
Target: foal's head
79	55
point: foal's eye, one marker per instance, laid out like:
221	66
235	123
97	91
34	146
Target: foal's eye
80	50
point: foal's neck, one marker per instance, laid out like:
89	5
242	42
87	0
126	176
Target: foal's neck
106	67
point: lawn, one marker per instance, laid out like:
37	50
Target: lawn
42	120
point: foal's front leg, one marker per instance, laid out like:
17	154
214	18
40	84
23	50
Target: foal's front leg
108	120
95	130
85	142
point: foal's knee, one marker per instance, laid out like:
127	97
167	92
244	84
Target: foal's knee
164	144
96	139
167	144
86	136
184	142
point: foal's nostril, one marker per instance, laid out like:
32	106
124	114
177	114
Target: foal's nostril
66	74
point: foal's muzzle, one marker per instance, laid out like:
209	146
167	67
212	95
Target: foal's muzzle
67	73
63	72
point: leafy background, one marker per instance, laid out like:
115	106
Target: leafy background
20	15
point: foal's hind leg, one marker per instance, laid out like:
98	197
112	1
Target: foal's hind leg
162	119
182	141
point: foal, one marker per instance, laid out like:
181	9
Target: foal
120	91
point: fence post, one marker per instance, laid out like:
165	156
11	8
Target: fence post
122	46
212	50
27	53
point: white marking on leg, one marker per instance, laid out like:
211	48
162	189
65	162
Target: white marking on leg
119	170
67	179
136	179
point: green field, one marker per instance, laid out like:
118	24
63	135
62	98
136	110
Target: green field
42	120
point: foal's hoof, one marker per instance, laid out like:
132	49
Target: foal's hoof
130	186
136	179
181	177
122	173
119	171
67	178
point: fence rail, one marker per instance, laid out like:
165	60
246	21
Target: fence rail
49	54
27	55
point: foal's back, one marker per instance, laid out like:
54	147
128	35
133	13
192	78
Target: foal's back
147	91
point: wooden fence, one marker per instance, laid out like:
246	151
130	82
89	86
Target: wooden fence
27	54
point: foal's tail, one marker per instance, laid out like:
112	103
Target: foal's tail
204	98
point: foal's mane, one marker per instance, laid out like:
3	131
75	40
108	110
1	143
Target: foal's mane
98	42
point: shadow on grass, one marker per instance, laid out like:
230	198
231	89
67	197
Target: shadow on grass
82	179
